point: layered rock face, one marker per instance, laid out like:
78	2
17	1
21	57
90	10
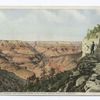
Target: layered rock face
25	60
61	56
31	61
13	54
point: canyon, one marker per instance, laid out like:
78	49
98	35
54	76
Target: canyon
29	60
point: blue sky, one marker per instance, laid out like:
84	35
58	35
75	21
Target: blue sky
47	25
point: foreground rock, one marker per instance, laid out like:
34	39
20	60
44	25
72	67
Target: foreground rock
97	69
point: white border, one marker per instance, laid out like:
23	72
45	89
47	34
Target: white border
49	2
48	93
49	7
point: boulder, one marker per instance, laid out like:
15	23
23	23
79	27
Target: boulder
94	89
93	77
80	80
85	67
76	73
89	84
65	88
97	81
97	69
98	77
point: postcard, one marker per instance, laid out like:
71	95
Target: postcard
50	50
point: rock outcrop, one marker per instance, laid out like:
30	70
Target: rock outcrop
92	35
84	78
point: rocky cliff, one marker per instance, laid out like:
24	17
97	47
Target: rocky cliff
92	35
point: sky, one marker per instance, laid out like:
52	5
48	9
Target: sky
47	24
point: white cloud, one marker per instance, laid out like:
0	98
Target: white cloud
44	25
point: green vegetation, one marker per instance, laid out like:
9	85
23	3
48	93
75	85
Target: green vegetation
93	33
51	84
